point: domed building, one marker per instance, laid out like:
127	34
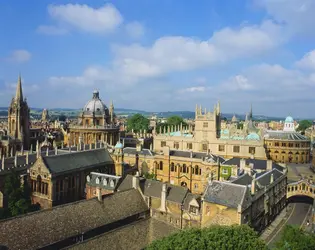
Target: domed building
287	145
96	123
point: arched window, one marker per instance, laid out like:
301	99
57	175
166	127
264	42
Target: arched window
105	182
97	180
172	167
192	170
88	178
184	168
39	184
196	170
183	184
112	183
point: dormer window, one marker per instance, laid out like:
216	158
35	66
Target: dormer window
193	210
97	180
105	182
112	183
88	109
88	178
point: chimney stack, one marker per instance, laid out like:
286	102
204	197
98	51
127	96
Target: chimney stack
26	158
269	165
2	167
99	194
56	150
191	154
69	149
271	178
163	197
15	160
136	181
37	150
22	150
47	151
90	146
242	164
253	186
11	151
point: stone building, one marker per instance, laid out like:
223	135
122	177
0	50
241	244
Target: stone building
45	115
208	136
61	178
254	198
181	168
287	145
95	123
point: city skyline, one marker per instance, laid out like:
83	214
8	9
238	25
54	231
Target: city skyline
161	56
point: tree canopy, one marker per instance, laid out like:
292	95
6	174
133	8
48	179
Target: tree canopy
175	120
19	197
303	125
295	238
215	237
138	122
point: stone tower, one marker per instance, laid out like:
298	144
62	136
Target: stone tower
45	115
111	112
19	117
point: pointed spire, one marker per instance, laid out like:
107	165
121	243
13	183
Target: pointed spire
251	112
19	93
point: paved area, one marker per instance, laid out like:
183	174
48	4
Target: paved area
298	171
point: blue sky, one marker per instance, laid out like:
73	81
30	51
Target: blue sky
161	55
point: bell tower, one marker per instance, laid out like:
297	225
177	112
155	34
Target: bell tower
19	117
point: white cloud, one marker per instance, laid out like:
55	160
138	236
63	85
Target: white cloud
297	15
308	61
135	30
194	89
19	56
51	30
83	17
236	83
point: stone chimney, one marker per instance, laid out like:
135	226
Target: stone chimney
242	164
271	178
2	165
253	186
15	160
136	181
47	151
90	146
269	165
22	150
69	149
37	150
56	150
252	156
191	154
163	197
26	158
99	194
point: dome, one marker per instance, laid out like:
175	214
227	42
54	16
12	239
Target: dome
119	145
289	119
253	136
95	105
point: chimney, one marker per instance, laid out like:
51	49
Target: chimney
99	194
271	178
26	158
2	167
151	146
69	149
163	197
62	145
31	148
191	154
90	146
136	181
11	151
269	165
15	160
47	151
22	150
242	164
253	186
252	156
56	150
251	165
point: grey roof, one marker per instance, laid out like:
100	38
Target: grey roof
77	160
257	163
227	194
189	198
153	188
196	155
132	237
105	181
284	135
68	220
264	179
133	151
244	179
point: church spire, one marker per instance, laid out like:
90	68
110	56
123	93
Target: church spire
251	112
19	93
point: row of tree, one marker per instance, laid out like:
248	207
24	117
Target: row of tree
232	237
18	196
139	122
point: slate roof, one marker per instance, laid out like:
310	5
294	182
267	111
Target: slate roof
227	194
77	160
153	188
244	179
284	135
105	181
132	237
189	198
133	151
258	164
45	227
196	155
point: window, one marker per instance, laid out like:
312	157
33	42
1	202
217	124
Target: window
105	182
251	150
176	145
221	148
283	144
290	145
297	145
225	171
196	186
88	178
189	145
236	149
171	219
204	147
172	167
277	144
163	143
112	183
205	124
193	210
185	168
161	165
97	180
196	170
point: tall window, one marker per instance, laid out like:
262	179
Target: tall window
161	165
163	143
204	147
176	145
236	149
189	145
251	150
172	167
205	124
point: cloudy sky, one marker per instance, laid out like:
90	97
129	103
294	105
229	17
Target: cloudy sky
160	55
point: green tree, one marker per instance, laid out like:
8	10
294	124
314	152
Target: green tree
295	238
137	122
175	120
303	125
215	237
